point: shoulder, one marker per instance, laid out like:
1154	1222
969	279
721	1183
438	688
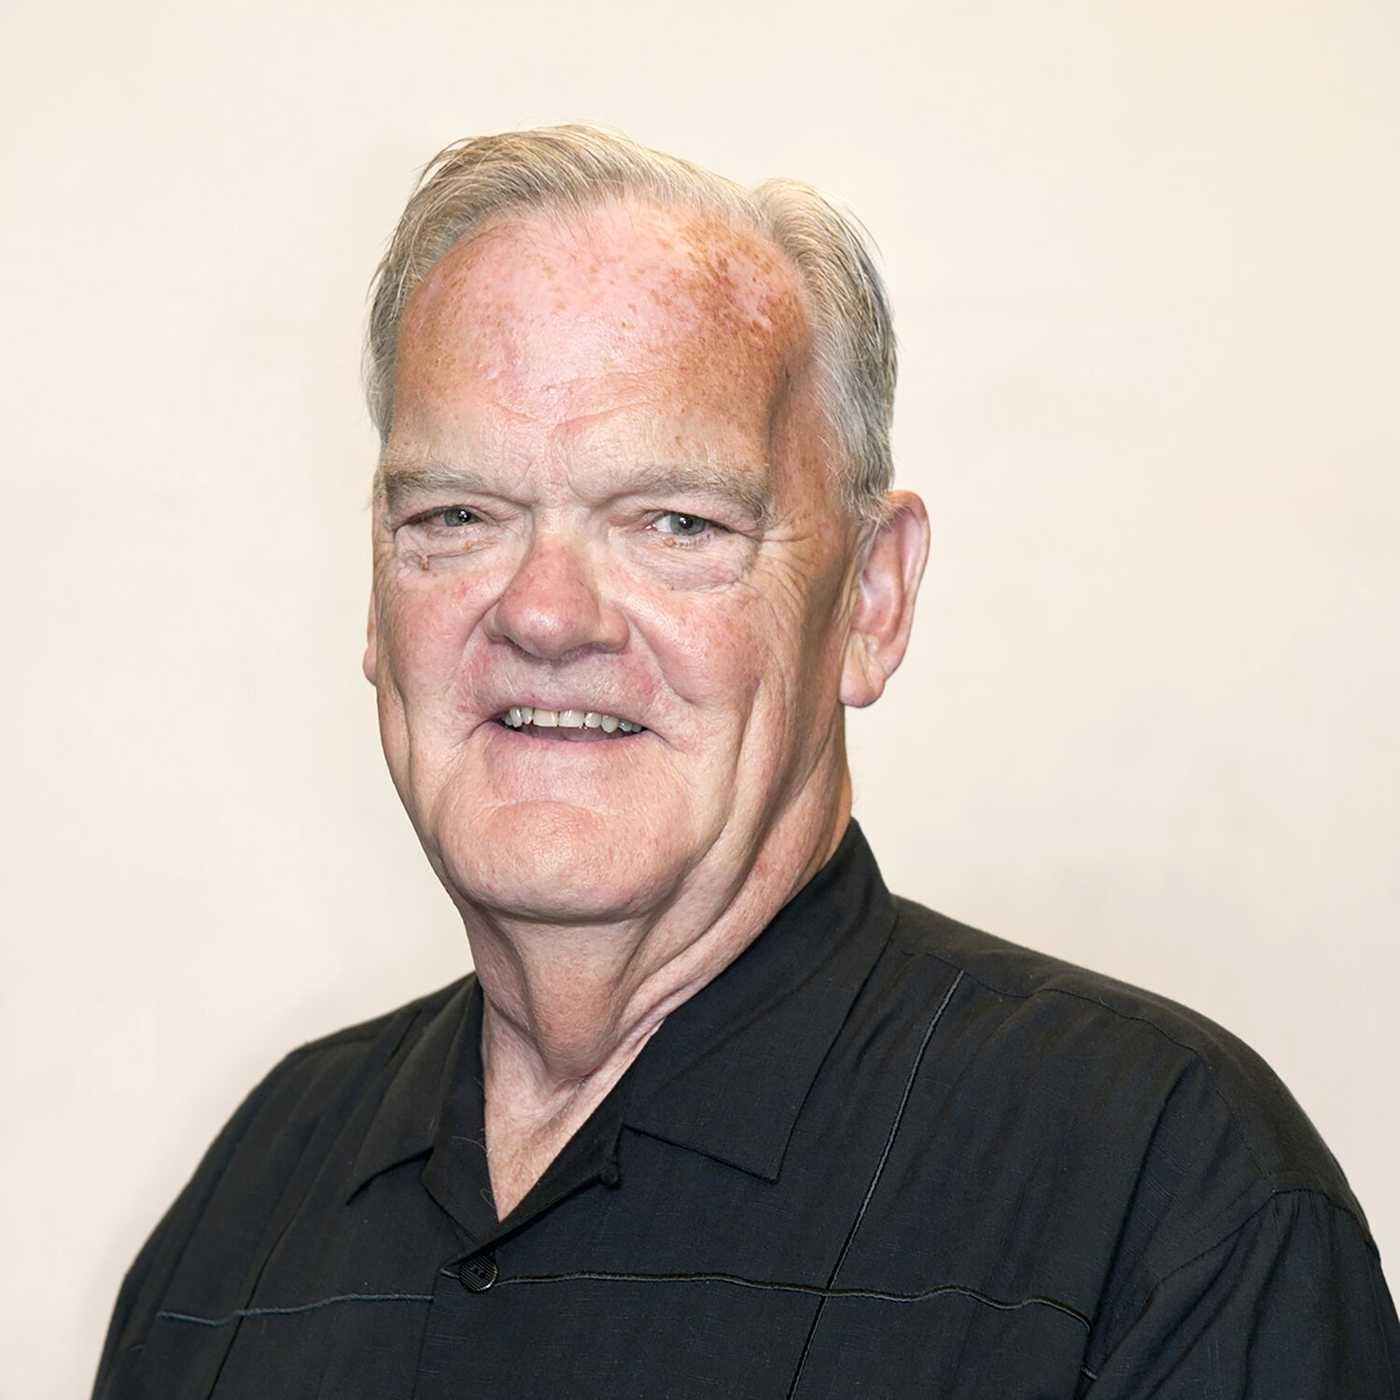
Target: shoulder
322	1081
1147	1075
311	1093
317	1075
1138	1160
348	1047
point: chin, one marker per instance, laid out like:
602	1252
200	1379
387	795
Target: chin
555	861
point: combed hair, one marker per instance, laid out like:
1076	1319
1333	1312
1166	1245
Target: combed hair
569	169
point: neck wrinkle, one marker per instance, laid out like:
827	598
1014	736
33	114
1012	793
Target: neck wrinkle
567	1010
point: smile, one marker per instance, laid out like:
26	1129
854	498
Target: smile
567	724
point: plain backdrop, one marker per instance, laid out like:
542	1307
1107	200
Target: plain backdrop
1143	262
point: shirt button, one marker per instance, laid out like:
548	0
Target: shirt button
478	1273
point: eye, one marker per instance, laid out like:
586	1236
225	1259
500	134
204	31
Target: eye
453	517
685	526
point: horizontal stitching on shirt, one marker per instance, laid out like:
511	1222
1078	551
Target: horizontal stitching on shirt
298	1308
875	1179
812	1290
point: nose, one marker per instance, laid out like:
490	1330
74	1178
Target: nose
551	607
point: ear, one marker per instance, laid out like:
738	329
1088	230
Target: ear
883	611
370	664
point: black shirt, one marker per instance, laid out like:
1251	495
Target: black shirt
882	1154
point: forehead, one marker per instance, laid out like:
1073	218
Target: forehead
545	306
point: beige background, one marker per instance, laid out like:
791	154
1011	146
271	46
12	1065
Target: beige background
1143	259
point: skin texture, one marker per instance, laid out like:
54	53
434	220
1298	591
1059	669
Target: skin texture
562	391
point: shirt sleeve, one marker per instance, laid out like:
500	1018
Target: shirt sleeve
1291	1304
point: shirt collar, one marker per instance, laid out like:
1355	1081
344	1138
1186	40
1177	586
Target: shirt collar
419	1083
790	990
728	1071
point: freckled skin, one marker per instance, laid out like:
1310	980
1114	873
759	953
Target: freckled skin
601	884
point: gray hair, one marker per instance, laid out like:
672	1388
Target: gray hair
571	168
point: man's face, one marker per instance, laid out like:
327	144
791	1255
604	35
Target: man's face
603	494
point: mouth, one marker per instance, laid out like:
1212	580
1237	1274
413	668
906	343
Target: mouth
567	726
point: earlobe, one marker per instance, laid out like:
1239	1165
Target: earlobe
862	679
886	590
370	662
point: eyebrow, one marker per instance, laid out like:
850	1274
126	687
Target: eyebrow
394	485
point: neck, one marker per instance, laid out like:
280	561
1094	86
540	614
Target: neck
568	1007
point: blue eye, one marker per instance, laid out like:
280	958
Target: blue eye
455	516
687	527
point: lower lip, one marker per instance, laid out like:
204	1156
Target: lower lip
565	739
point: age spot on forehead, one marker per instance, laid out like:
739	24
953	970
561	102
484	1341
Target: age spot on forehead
619	286
695	268
734	296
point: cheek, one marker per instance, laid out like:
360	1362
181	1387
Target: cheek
791	644
423	631
724	654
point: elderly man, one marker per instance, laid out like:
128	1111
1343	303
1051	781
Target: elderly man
716	1115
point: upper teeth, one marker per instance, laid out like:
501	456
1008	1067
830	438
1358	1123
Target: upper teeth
519	715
